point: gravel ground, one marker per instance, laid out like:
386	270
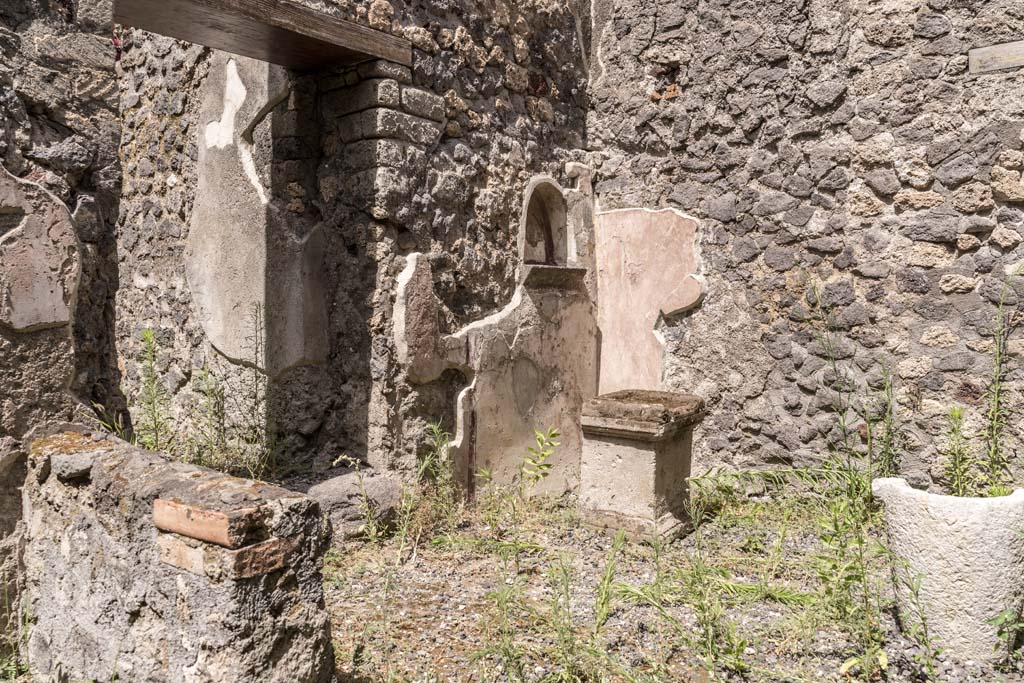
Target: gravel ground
433	616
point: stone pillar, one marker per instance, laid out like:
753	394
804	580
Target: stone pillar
636	461
377	130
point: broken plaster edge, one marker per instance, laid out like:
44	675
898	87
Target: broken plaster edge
697	276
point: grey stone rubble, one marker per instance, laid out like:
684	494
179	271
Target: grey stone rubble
348	498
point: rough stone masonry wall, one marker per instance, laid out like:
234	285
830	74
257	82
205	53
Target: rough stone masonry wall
430	159
838	145
503	99
158	83
58	129
141	569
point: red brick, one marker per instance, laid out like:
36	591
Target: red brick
218	563
231	529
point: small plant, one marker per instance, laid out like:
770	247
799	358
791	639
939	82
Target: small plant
437	475
995	459
871	663
844	569
508	601
256	450
230	429
567	649
606	588
113	422
373	527
536	466
15	636
12	668
154	430
209	442
406	530
718	644
890	441
959	469
1009	628
915	624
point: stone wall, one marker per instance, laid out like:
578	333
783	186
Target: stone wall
59	128
159	80
837	147
59	136
503	100
832	146
391	161
141	569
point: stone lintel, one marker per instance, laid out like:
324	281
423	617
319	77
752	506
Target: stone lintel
285	33
229	528
642	415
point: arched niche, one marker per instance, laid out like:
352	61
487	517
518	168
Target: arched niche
543	232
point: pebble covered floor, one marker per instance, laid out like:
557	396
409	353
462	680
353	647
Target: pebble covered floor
433	616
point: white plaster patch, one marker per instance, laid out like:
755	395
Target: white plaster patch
221	134
249	166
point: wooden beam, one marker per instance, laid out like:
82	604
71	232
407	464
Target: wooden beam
1006	56
275	31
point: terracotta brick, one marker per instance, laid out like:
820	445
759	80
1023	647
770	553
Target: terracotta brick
219	563
231	529
262	558
175	551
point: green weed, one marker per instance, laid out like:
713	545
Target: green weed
154	429
959	467
536	465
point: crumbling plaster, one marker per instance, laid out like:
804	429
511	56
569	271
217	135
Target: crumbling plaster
240	256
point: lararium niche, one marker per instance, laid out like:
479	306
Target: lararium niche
544	237
531	365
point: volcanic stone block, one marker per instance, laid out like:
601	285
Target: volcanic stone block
153	570
637	447
969	554
365	95
424	104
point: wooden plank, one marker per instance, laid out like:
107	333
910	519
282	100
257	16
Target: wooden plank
275	31
996	57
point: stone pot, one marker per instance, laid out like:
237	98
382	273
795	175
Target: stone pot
970	555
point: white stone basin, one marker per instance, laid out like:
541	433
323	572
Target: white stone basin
970	553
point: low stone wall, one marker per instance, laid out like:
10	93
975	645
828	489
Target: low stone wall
161	571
